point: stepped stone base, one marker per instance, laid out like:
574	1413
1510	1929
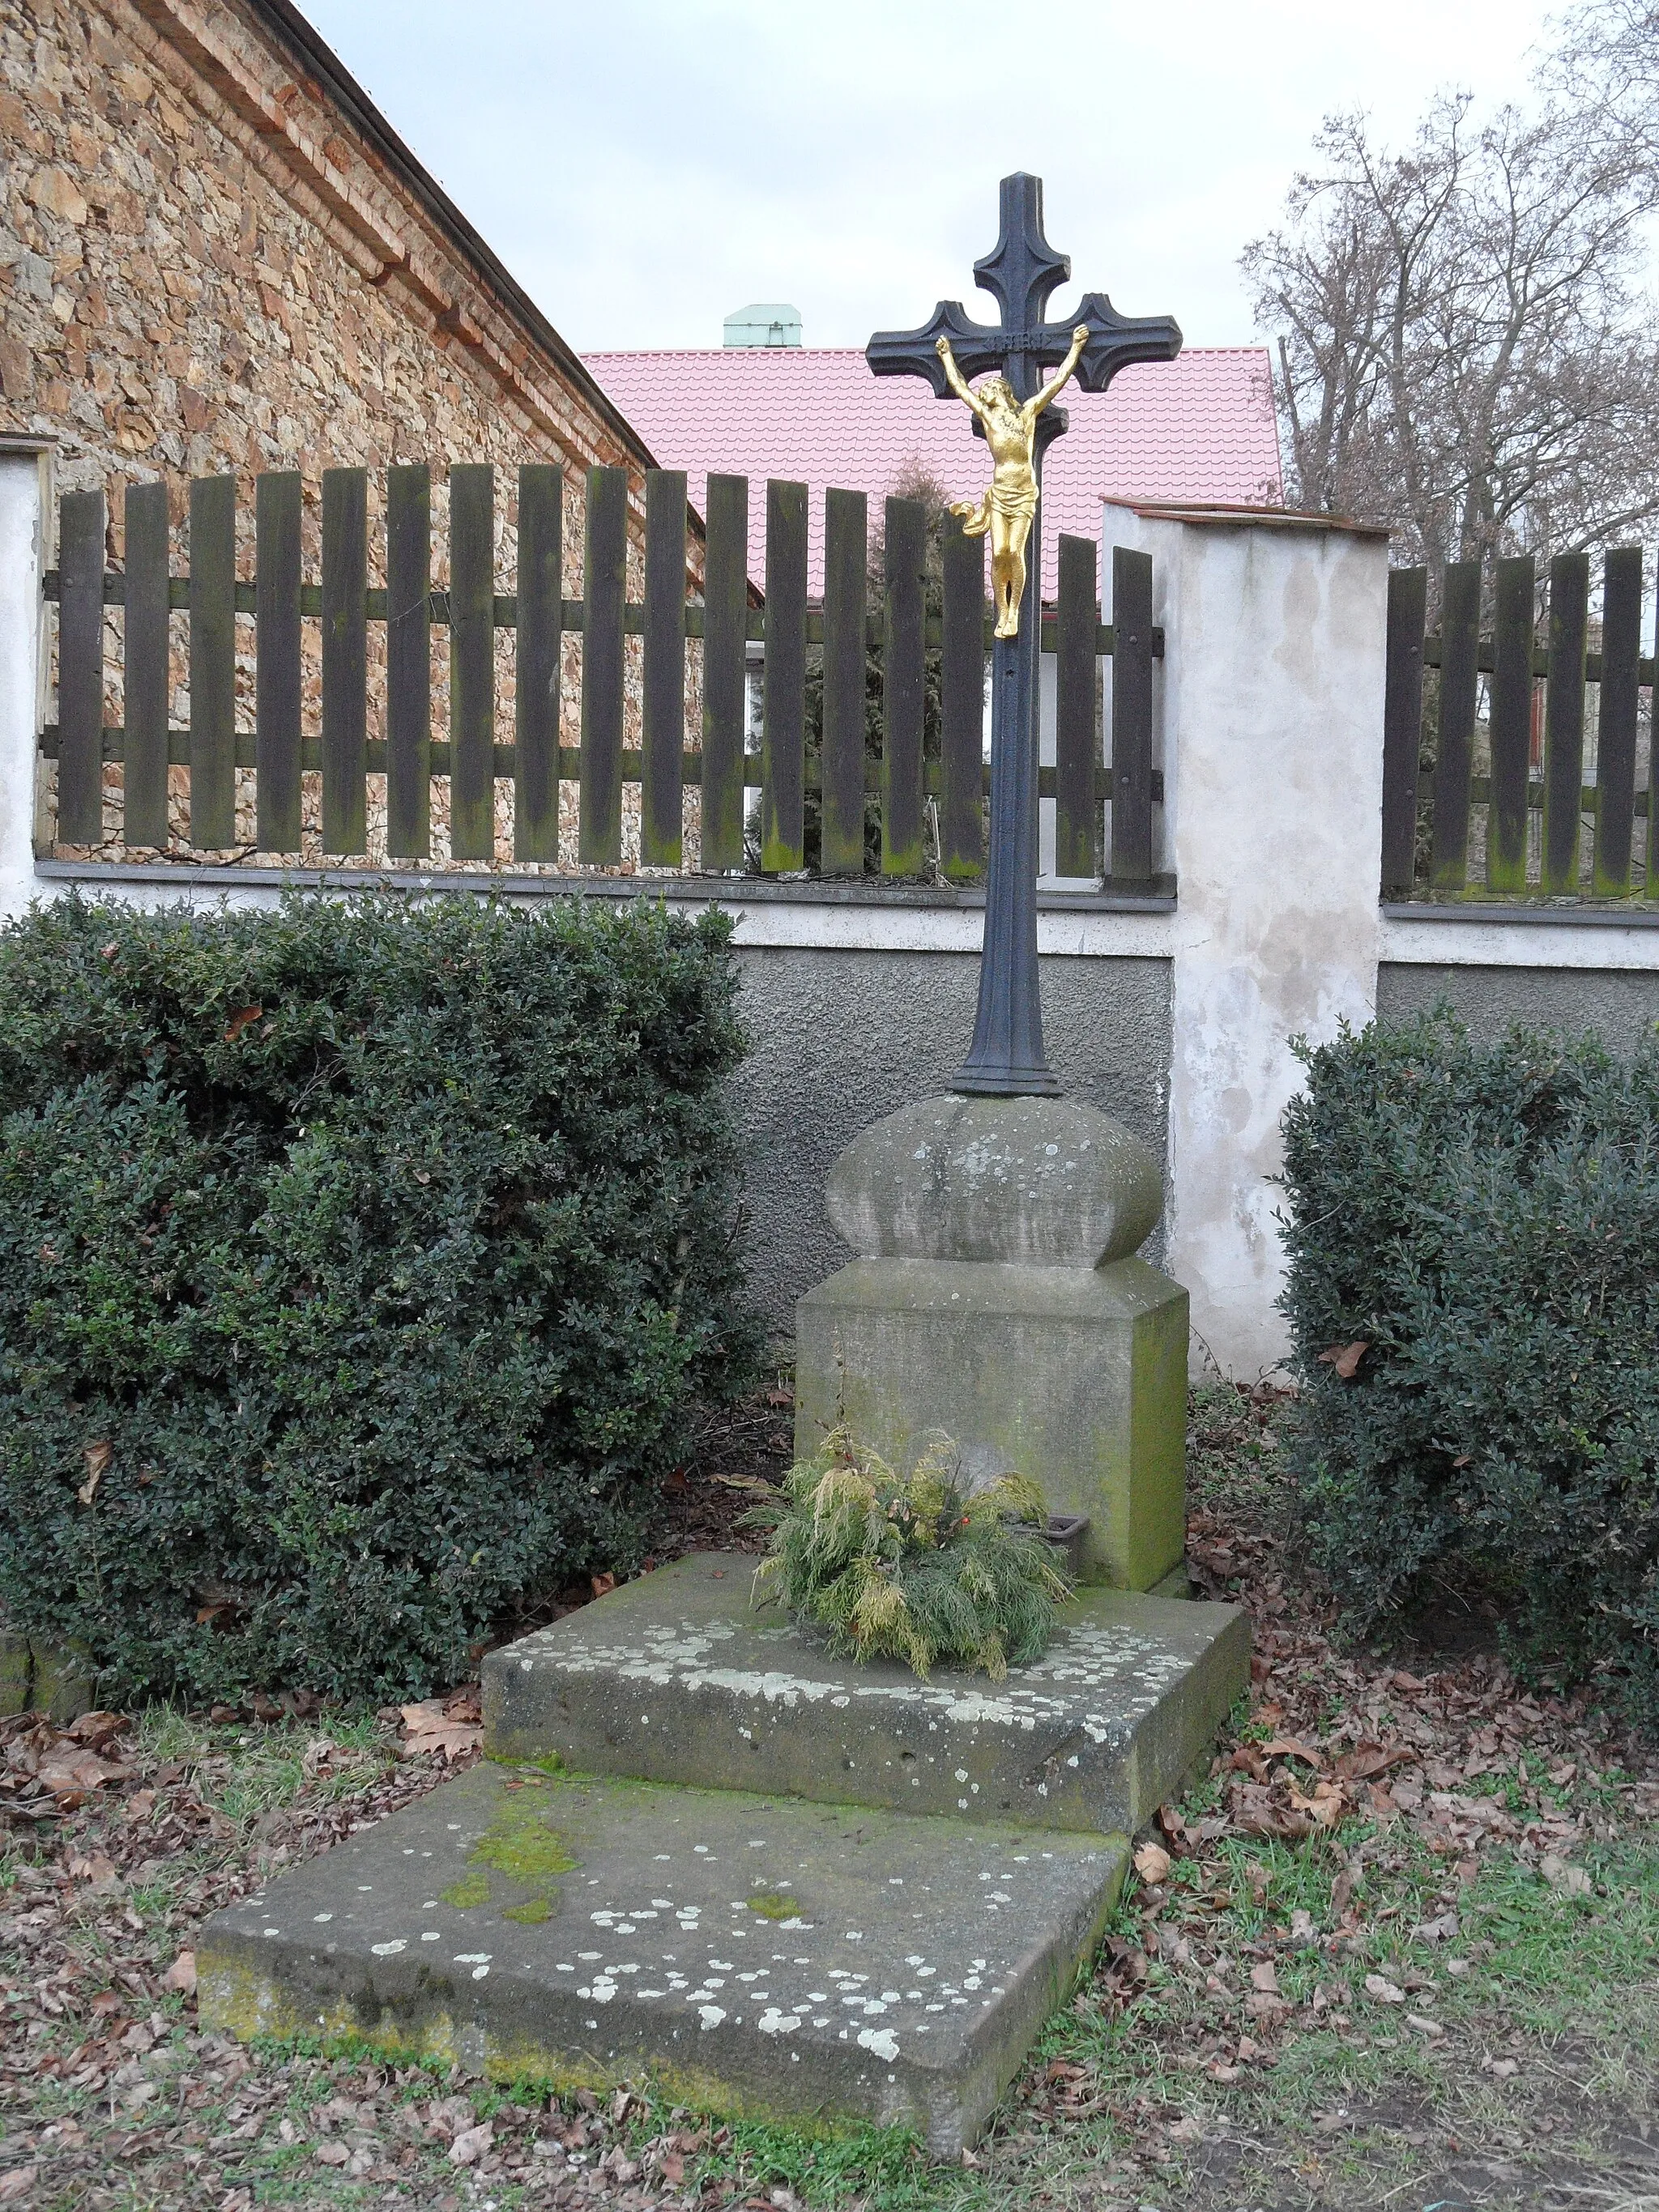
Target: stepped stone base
865	1910
676	1678
810	1963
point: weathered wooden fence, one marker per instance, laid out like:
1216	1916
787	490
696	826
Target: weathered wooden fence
719	623
1493	784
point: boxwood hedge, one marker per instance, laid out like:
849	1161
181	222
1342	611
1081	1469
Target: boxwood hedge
357	1262
1477	1228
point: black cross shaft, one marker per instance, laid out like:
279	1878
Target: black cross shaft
1006	1058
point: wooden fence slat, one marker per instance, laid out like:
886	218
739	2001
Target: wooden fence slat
213	663
1620	700
345	658
1132	715
1563	721
538	662
605	588
146	673
408	661
783	723
277	524
1511	725
81	667
663	689
962	708
472	661
903	688
841	772
1460	678
1402	726
725	671
1077	807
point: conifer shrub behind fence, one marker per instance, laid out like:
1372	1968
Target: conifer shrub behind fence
1473	1295
357	1263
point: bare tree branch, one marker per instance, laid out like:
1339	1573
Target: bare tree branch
1464	349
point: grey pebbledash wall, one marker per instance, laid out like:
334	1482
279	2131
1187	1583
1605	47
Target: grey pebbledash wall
840	1038
1620	1004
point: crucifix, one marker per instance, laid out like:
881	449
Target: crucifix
1006	1058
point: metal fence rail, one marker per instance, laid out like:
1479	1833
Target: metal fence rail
836	766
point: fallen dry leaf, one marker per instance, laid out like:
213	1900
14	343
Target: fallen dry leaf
180	1976
1326	1806
603	1584
1265	1978
1345	1359
1571	1881
96	1458
1380	1987
1152	1862
69	1772
97	1730
428	1731
1368	1759
470	2146
1287	1746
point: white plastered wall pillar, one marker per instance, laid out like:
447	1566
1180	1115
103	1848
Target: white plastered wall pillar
1271	726
25	508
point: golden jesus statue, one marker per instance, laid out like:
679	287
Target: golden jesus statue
1006	511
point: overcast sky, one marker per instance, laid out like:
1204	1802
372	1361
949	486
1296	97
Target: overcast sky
644	167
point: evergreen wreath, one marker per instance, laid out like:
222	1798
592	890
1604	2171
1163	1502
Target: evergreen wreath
926	1568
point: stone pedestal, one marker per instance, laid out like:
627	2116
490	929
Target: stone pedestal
996	1297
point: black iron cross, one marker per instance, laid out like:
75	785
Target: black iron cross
1006	1057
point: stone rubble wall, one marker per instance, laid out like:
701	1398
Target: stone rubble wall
205	269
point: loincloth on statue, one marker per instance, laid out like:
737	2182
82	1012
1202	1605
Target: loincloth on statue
1014	503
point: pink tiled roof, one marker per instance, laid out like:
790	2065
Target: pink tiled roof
1196	431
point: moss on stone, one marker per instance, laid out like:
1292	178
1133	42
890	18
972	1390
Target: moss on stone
772	1905
519	1844
528	1763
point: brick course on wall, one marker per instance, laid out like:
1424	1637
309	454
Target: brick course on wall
208	265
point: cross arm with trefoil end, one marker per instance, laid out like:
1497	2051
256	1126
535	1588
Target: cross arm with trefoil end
1021	272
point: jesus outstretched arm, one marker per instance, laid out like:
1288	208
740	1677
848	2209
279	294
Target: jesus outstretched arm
953	375
1034	405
